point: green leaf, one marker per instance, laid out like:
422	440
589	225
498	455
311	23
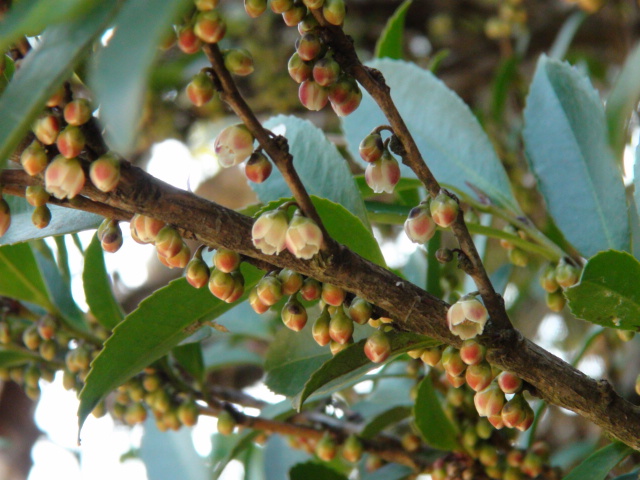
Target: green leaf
384	419
391	471
120	72
221	354
160	322
622	102
227	447
280	458
323	171
609	291
599	464
63	221
351	363
244	321
14	358
189	356
97	287
45	68
567	148
170	455
390	42
451	140
314	471
629	476
434	426
20	277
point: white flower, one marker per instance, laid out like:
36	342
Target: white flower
269	230
419	225
383	174
304	237
233	145
64	177
467	317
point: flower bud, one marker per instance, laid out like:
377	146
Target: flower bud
566	275
467	318
188	42
308	23
168	242
548	279
352	449
269	232
188	413
233	145
256	303
36	195
377	348
226	423
70	141
311	290
513	413
291	281
489	402
472	352
280	6
5	216
258	167
410	442
332	295
509	382
46	129
105	172
383	174
64	177
340	327
34	158
334	11
303	237
309	47
313	3
518	257
444	210
228	287
371	148
200	89
531	465
294	15
110	235
255	8
431	356
145	229
419	226
294	315
31	338
452	362
205	5
197	273
484	428
77	112
226	260
299	70
342	90
210	27
320	330
349	105
238	61
444	255
326	448
455	381
48	350
41	217
555	301
360	310
528	419
269	290
313	96
54	100
326	71
479	376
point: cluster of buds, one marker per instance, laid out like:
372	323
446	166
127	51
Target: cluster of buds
172	251
516	255
206	25
441	211
272	232
554	280
512	19
383	171
234	145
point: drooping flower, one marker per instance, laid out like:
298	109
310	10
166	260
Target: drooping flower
303	238
269	232
383	174
64	177
233	145
467	317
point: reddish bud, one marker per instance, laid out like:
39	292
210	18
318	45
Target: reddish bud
444	210
258	167
383	174
168	242
371	148
311	290
360	310
419	226
188	413
349	106
47	327
210	27
41	217
377	348
332	295
509	382
226	260
326	71
326	448
206	5
472	352
291	281
566	275
197	273
489	402
303	237
299	70
340	327
496	421
200	89
342	90
320	330
226	423
352	449
54	100
294	15
255	8
5	216
46	129
456	382
308	23
64	177
531	465
309	46
269	290
228	287
77	112
233	145
313	96
452	362
105	172
256	303
34	158
294	315
479	376
269	232
238	61
70	141
110	235
431	356
188	41
334	11
145	229
528	419
514	412
31	338
515	457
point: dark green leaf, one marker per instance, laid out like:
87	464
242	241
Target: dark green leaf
434	426
63	221
622	102
351	363
314	471
599	464
609	291
384	419
567	147
97	287
449	137
43	71
189	356
20	277
227	447
280	458
320	166
15	358
253	461
243	320
170	455
392	471
160	323
121	69
629	476
390	43
223	354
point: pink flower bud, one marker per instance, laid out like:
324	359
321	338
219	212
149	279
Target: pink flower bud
342	89
77	112
64	177
528	419
228	287
269	290
332	295
54	100
280	6
210	27
311	290
360	310
294	315
496	421
303	237
514	411
188	42
419	226
349	105
181	259
258	167
451	361
531	465
467	318
256	303
294	15
255	8
444	210
46	129
168	242
456	382
269	232
309	46
383	174
291	281
34	158
326	71
472	352
479	376
5	216
509	382
371	147
110	235
233	145
489	402
340	327
377	348
105	172
197	273
313	96
70	141
320	329
226	260
200	89
299	70
238	61
145	229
